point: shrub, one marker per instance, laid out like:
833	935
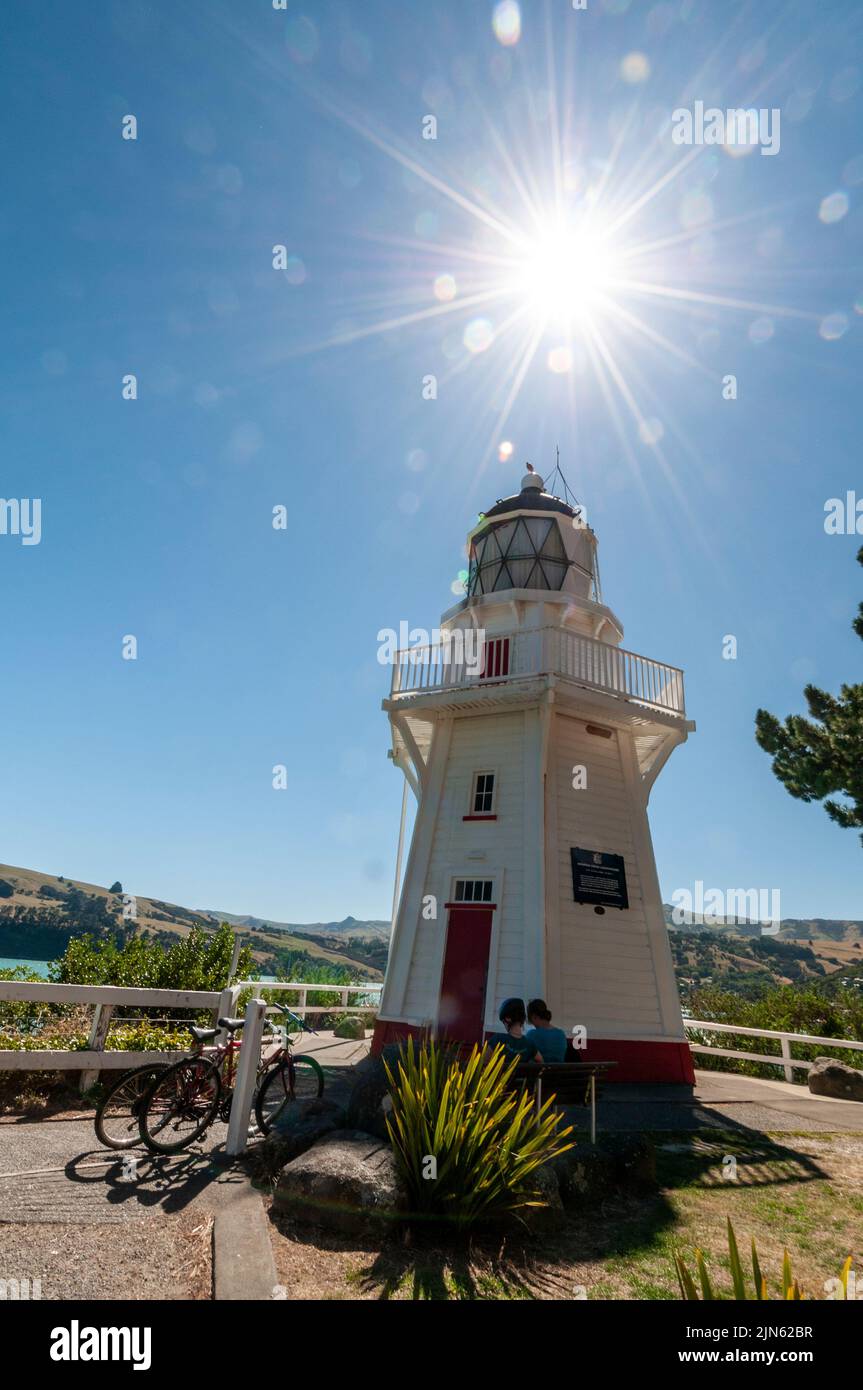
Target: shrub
22	1014
199	961
820	1010
131	1036
790	1287
485	1135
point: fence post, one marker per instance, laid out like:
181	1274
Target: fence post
227	1004
247	1072
98	1036
786	1057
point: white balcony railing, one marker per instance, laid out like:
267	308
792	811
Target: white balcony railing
465	663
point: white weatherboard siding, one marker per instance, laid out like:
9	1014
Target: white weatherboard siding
606	974
479	743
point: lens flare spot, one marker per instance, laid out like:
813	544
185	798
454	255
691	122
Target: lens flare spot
651	431
302	40
833	326
445	288
506	23
834	207
635	67
295	271
504	448
478	335
427	225
761	330
560	360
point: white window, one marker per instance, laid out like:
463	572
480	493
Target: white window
473	890
482	801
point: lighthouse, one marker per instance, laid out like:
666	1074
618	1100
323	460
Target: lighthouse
531	739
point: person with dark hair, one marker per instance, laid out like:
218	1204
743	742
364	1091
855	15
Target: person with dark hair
549	1042
512	1016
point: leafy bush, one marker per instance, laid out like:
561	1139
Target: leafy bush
22	1014
485	1135
790	1288
199	961
817	1010
133	1036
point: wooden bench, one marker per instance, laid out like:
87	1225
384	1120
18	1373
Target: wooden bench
568	1083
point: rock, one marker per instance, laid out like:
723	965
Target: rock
617	1163
827	1077
370	1100
346	1182
301	1125
350	1027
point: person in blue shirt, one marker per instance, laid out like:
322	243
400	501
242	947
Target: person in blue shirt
514	1043
549	1042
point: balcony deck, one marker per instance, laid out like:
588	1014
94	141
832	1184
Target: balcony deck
509	658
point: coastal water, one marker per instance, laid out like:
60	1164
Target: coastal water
36	967
40	967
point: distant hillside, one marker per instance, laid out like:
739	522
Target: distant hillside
350	927
834	945
740	965
40	913
795	928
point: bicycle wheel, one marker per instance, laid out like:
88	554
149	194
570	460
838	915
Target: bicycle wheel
293	1079
180	1105
117	1117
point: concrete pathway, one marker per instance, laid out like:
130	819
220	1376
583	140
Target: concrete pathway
54	1169
722	1100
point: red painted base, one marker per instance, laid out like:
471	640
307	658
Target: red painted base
387	1032
651	1063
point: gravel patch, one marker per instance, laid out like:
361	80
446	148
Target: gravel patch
159	1257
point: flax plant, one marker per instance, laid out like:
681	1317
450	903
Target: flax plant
468	1141
791	1290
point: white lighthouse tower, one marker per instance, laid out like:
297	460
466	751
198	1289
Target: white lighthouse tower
531	740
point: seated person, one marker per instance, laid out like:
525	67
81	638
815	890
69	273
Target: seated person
514	1043
549	1042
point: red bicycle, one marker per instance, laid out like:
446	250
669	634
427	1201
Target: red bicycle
186	1098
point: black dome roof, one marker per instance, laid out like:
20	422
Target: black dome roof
530	499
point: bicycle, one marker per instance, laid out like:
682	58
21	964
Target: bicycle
186	1098
116	1121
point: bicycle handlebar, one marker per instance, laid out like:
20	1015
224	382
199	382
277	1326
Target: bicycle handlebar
283	1008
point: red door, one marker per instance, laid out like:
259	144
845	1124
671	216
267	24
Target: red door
465	972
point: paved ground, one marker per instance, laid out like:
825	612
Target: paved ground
54	1169
726	1101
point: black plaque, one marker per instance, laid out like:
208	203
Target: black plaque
598	878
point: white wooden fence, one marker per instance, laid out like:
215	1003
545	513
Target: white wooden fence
784	1060
304	989
105	998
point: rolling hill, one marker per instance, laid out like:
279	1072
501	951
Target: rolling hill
40	912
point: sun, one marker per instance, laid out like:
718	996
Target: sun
565	272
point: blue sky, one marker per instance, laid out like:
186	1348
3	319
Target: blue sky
258	127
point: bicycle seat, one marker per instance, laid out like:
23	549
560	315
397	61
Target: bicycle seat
232	1024
203	1035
